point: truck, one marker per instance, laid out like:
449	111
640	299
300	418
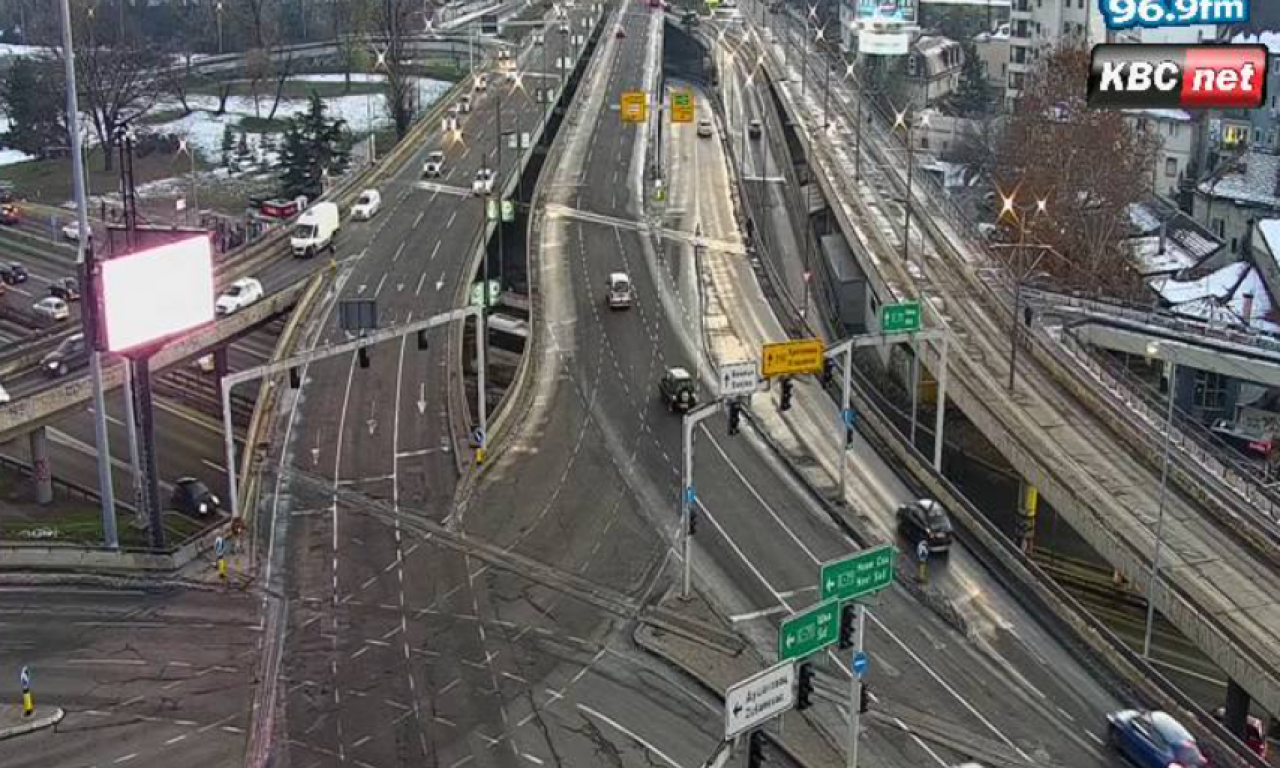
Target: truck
316	230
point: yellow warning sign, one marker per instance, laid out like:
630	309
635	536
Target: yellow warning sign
682	106
635	106
788	357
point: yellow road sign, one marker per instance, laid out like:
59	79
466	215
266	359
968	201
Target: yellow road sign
788	357
682	106
635	106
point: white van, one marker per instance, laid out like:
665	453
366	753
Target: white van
620	293
316	230
367	206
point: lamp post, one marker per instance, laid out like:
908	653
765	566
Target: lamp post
218	9
1009	207
1154	350
183	146
905	121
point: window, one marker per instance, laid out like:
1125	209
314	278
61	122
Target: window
1257	135
1171	167
1235	245
1211	390
1019	55
1219	228
1015	80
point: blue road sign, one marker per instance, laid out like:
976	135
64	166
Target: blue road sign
25	679
219	546
860	664
922	552
850	417
477	436
689	495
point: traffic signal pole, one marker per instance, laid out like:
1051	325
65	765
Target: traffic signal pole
687	496
848	426
855	690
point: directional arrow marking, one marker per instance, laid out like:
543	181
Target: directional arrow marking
373	425
422	398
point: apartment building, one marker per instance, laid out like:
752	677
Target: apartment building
1038	25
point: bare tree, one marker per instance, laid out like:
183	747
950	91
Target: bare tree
395	24
352	20
1087	165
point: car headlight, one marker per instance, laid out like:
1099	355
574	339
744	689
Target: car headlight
204	507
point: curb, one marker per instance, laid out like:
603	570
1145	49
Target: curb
30	726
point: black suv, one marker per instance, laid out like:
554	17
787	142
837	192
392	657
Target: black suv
678	389
71	353
13	273
192	497
925	520
65	288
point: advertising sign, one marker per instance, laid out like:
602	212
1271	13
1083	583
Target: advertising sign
889	11
137	313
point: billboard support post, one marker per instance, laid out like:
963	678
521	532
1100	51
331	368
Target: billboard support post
140	375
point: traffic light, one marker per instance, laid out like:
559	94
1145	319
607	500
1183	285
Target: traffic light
363	355
693	519
295	378
848	437
804	691
423	343
828	371
755	750
787	386
848	625
735	416
864	700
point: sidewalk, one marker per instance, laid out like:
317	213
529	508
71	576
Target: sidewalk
12	723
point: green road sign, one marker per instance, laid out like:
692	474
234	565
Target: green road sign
900	318
508	211
809	632
491	210
859	574
477	293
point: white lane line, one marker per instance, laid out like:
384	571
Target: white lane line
742	556
399	251
631	734
434	251
381	282
176	739
421	279
419	452
531	758
452	216
124	759
760	614
418	220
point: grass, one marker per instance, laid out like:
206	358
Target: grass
250	124
49	181
79	521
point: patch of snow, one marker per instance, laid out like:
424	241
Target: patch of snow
12	156
1270	229
1217	285
14	49
338	77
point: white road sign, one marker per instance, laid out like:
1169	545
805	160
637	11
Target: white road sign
738	379
759	698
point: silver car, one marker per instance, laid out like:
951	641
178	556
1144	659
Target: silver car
52	308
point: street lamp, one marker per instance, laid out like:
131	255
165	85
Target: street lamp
905	121
1154	350
195	194
1009	207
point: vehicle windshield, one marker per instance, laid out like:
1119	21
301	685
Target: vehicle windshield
937	518
304	231
436	157
365	199
621	286
234	291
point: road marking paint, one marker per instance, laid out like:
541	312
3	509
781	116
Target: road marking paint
399	251
414	454
176	739
634	736
452	216
463	761
125	759
123	662
434	251
531	758
381	282
418	220
421	278
445	721
450	686
361	741
758	614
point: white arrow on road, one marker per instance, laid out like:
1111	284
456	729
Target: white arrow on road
422	398
440	282
373	425
315	456
361	288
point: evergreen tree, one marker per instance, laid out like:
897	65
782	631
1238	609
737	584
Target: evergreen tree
296	176
30	95
312	145
972	97
244	155
228	144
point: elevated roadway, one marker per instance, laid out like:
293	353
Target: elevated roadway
1219	583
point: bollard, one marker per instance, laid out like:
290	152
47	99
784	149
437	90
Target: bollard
479	457
222	568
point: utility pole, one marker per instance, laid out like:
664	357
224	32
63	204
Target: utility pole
1153	350
855	694
89	286
688	498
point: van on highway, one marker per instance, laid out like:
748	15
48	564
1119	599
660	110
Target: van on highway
317	229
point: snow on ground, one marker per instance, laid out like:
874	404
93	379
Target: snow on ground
13	49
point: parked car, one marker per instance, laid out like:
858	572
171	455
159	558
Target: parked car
51	308
72	232
678	389
754	129
1255	734
434	167
925	520
367	205
65	288
483	183
1153	740
192	497
13	273
704	129
9	215
71	353
620	292
238	295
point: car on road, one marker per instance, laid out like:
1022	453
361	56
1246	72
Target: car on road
71	353
1255	734
925	520
464	102
13	273
316	230
65	288
9	215
482	83
483	182
620	33
621	293
72	232
754	129
704	128
564	27
538	39
434	167
51	308
238	295
1153	740
678	389
4	396
192	497
367	205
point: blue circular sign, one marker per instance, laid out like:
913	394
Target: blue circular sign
922	552
860	663
219	546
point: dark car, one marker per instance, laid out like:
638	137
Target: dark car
679	391
1153	740
1255	735
925	520
65	288
71	353
13	273
754	129
9	215
192	497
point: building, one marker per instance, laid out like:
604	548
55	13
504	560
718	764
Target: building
933	69
962	19
1175	164
1242	191
1166	242
992	49
1038	25
1262	124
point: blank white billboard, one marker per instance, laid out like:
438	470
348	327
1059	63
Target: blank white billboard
157	293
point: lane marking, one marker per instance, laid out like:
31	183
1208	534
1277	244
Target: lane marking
635	737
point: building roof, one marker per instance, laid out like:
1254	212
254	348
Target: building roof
1253	180
934	51
1186	243
1218	285
1175	115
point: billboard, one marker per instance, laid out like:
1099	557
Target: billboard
157	293
872	43
887	11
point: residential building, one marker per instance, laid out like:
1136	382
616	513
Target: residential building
962	19
1166	242
1175	163
933	69
1242	191
1263	124
993	50
1038	25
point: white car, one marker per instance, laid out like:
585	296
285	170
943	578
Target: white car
482	82
367	205
52	308
238	295
465	102
705	130
483	183
72	232
434	167
4	396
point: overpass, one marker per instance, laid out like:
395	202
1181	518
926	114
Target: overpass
1086	451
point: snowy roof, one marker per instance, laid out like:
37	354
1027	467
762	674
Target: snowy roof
1187	244
1252	181
1208	310
1270	230
1251	284
1176	115
1269	39
1219	285
1152	261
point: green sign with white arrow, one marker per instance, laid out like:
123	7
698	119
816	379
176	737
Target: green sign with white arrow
809	632
861	573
